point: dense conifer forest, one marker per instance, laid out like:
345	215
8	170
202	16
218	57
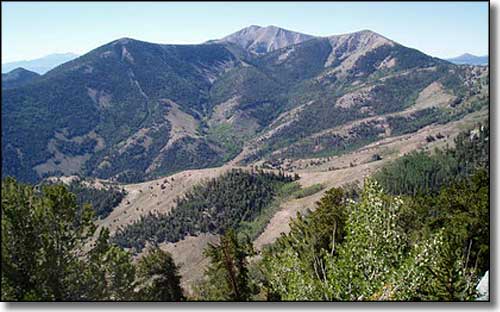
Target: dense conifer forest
212	207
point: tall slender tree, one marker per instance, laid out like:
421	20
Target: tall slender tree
227	274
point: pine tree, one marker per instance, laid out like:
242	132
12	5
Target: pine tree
42	233
158	277
227	277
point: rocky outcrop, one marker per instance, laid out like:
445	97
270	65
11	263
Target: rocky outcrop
260	40
483	288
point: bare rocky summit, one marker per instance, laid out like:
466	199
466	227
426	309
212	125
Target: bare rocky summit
261	40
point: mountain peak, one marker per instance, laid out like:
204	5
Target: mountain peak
19	70
469	59
258	40
123	40
364	33
17	77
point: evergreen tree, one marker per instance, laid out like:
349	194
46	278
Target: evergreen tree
158	277
109	272
42	233
227	277
295	265
46	251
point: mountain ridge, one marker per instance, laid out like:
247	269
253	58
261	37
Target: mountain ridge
116	111
469	59
40	65
18	77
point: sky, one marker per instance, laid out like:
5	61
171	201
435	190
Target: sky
35	29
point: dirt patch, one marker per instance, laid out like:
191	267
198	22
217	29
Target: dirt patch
99	97
188	256
354	98
389	62
67	164
126	55
433	95
223	111
182	125
353	46
139	137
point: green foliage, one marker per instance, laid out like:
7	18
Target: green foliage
112	95
463	208
472	149
256	90
329	144
227	276
415	121
374	259
158	278
446	265
226	136
40	233
308	191
294	266
103	201
432	272
76	148
430	246
49	253
210	207
255	227
107	272
304	62
374	246
188	153
419	173
118	93
17	78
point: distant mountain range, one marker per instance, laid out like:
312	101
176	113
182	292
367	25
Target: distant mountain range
132	110
469	59
40	65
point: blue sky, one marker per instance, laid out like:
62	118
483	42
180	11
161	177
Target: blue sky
442	29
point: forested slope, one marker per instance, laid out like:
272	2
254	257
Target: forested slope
212	207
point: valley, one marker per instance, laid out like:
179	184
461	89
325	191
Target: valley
157	196
266	152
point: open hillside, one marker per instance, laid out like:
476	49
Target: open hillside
132	111
158	196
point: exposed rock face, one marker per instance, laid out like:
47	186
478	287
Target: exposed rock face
483	288
260	40
348	48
